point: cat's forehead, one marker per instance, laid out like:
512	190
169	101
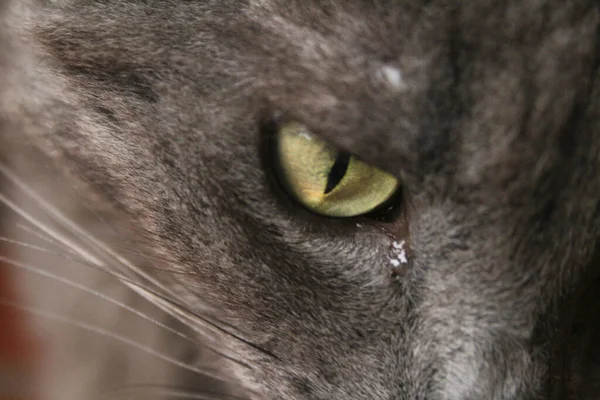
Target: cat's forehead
350	68
393	81
404	74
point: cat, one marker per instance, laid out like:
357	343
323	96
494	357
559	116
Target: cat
165	254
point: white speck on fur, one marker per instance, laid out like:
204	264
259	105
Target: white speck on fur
399	253
392	77
402	257
304	133
398	245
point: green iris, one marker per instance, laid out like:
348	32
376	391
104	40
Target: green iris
328	181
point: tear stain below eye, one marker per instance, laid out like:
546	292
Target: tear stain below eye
399	250
398	259
400	253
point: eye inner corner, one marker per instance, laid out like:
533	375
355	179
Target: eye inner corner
337	171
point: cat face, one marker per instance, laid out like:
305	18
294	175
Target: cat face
484	111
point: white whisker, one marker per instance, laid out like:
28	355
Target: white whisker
59	217
71	225
119	338
187	322
43	237
34	247
121	278
47	230
177	312
198	323
174	394
193	320
171	391
93	292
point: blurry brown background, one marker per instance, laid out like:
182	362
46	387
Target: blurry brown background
17	353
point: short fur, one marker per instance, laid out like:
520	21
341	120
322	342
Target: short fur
152	113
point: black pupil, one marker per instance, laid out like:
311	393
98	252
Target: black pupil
337	171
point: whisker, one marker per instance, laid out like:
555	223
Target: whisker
43	237
170	306
73	284
34	247
66	222
194	318
76	285
76	259
147	293
122	278
47	230
50	210
172	392
145	256
114	336
60	218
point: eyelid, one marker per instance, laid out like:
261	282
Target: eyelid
272	120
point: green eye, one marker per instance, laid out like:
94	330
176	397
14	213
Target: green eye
328	181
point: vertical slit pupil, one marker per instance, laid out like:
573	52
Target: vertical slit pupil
337	171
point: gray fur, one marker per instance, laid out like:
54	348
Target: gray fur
151	111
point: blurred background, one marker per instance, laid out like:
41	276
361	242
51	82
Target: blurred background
18	352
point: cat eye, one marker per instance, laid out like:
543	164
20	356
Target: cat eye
325	180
